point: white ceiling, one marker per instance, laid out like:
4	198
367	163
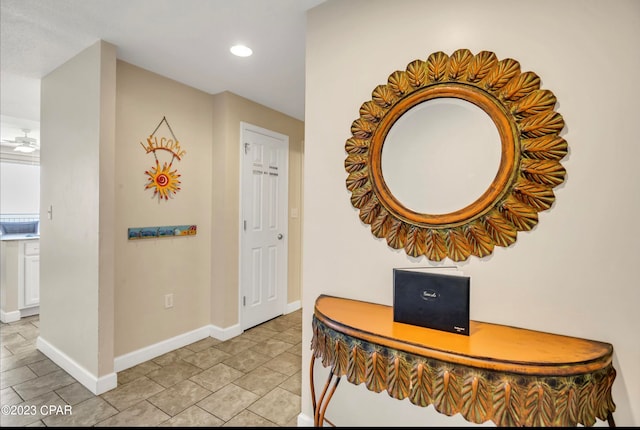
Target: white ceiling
185	40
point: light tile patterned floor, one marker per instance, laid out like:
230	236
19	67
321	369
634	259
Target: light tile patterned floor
252	380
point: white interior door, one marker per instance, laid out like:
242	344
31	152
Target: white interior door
264	226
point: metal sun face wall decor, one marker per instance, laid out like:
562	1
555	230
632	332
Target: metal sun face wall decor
529	168
164	181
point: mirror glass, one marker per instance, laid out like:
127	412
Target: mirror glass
441	155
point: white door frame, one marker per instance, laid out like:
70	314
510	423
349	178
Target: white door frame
285	201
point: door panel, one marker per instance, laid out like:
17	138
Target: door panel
263	271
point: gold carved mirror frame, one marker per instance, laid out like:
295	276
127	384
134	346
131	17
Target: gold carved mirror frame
529	170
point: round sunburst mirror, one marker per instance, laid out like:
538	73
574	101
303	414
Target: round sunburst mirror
383	174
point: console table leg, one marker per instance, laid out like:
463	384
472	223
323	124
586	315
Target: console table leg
320	406
311	383
316	414
324	407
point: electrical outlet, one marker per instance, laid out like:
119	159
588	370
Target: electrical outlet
168	301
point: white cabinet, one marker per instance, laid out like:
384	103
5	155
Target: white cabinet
20	280
31	285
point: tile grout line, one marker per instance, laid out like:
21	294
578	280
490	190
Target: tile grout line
278	336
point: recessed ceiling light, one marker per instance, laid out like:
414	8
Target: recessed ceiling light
241	50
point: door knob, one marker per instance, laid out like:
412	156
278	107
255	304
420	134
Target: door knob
280	236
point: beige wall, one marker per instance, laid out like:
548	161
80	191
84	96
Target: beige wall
573	274
107	210
201	271
147	270
78	116
102	295
230	110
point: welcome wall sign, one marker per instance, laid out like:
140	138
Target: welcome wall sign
164	181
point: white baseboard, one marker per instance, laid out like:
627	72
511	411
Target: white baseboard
305	420
8	317
224	333
147	353
150	352
125	361
293	306
94	384
29	311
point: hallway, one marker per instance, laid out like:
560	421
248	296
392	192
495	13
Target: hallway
252	380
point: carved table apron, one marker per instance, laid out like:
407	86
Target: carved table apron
509	375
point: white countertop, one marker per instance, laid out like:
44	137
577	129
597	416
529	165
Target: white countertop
20	236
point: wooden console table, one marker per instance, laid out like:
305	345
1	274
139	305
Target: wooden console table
511	376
